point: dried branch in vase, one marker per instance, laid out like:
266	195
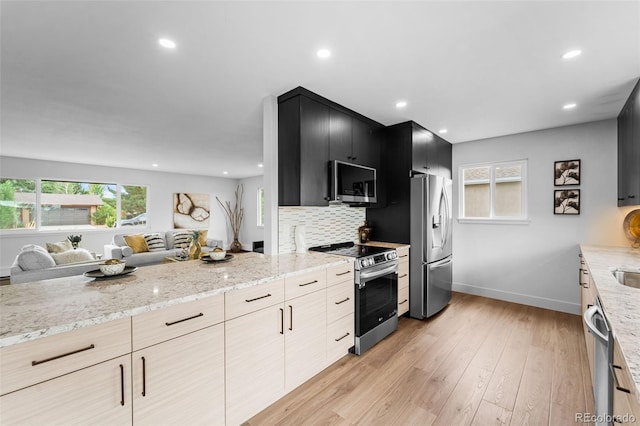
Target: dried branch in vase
235	214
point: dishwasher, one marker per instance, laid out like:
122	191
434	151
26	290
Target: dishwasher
596	322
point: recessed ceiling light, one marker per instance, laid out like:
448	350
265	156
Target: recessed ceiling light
443	131
572	54
323	53
260	165
401	104
154	165
569	106
225	172
167	43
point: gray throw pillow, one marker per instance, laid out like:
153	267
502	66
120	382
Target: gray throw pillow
33	257
126	251
72	256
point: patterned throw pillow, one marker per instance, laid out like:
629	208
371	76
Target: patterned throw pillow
155	242
60	247
181	239
136	242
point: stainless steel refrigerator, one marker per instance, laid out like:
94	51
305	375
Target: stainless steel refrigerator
431	260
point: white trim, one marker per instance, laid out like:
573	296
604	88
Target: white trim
523	299
259	210
492	182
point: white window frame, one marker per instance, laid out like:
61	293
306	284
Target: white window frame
260	207
492	219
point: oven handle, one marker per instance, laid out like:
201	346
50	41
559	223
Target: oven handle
588	320
375	273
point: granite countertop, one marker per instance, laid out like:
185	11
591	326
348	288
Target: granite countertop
620	303
44	308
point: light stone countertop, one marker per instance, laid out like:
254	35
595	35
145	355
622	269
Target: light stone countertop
620	303
44	308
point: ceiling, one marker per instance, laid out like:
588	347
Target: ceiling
87	81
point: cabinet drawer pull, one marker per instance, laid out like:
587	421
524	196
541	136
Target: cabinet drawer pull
184	319
144	377
404	255
281	321
402	276
91	346
341	301
404	301
305	284
291	316
613	369
257	298
121	384
340	338
342	273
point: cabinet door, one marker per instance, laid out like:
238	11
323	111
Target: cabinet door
420	140
587	300
181	381
254	362
444	156
366	145
340	136
305	338
97	395
314	153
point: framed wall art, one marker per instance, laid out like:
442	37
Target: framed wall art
566	201
191	211
566	172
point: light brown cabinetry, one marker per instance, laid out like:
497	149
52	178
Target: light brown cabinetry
100	394
180	380
340	311
403	280
588	296
626	408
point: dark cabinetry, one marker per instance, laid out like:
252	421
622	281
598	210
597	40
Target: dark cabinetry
408	148
629	150
312	131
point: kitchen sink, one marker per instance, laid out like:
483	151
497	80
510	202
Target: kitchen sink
628	278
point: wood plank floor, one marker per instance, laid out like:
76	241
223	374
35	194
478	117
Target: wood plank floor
481	362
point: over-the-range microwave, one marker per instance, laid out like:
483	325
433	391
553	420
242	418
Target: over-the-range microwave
352	183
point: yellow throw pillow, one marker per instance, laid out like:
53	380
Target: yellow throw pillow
202	238
136	242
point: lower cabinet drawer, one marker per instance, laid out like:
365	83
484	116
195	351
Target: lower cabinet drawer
403	272
252	299
340	337
163	324
403	300
340	301
28	363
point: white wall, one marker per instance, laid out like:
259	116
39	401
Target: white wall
250	231
537	263
162	186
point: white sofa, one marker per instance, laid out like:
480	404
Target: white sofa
118	249
34	263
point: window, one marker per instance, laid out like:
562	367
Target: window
494	192
69	205
17	203
260	205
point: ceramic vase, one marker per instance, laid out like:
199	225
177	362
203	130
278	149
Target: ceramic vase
236	246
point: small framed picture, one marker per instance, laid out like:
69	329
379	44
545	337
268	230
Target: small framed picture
566	172
566	201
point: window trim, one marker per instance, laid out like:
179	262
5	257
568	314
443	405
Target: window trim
492	219
260	207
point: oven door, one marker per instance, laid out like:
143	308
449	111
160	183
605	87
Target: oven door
376	296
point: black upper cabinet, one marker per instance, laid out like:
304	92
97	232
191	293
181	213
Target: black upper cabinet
429	152
313	130
303	152
629	150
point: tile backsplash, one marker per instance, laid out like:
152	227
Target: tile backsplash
323	225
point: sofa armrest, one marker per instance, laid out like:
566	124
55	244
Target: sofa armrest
111	251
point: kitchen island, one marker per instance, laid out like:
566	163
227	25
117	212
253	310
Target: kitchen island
185	342
621	304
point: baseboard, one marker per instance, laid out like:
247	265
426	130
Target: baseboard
523	299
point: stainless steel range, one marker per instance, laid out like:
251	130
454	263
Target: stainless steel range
376	281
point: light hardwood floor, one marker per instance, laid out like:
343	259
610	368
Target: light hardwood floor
480	362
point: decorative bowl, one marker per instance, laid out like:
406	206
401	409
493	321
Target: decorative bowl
217	255
112	268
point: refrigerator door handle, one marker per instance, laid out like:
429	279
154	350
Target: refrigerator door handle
440	264
445	204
